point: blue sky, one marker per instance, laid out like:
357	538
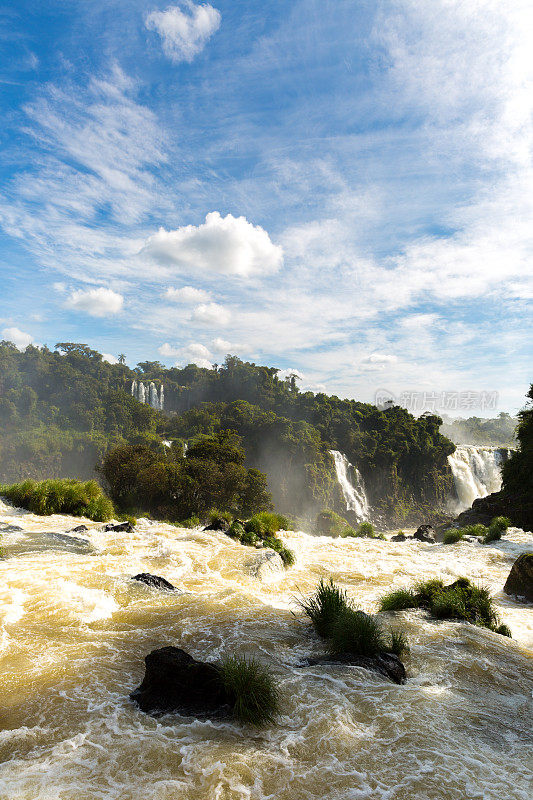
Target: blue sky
339	188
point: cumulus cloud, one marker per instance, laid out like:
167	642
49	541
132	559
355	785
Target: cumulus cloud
211	314
193	353
96	302
186	295
184	29
18	337
110	358
222	345
375	362
229	245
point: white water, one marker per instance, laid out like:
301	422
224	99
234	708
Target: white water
148	394
476	473
74	631
351	483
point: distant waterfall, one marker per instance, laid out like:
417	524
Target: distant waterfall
148	394
476	472
351	483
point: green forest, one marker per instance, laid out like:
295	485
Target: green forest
63	411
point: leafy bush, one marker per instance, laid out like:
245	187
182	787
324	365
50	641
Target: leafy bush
219	518
273	522
503	630
249	538
325	605
61	496
358	633
366	529
255	525
236	530
329	523
497	528
255	692
288	557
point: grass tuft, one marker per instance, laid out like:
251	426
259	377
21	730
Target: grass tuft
322	607
398	600
254	689
358	633
399	643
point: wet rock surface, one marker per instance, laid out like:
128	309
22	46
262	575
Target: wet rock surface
155	581
175	682
520	579
387	664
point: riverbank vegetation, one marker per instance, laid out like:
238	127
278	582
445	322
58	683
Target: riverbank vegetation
79	498
62	411
253	688
460	600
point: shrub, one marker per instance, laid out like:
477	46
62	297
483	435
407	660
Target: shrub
61	496
236	530
425	591
255	525
496	529
255	692
328	523
452	536
287	556
478	530
219	519
272	522
358	633
399	643
366	529
503	630
191	522
323	607
398	600
249	538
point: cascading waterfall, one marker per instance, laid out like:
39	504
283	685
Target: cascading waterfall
148	394
476	472
351	483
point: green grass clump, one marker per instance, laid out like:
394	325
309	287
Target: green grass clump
398	600
399	643
254	689
365	530
452	536
355	632
503	630
255	525
460	600
61	496
325	605
273	522
496	529
190	522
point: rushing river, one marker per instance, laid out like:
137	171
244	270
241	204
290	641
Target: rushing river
75	630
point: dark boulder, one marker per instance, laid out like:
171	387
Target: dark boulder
425	533
153	580
519	509
217	525
78	529
387	664
175	682
399	537
119	526
520	579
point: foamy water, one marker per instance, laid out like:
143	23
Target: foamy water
75	630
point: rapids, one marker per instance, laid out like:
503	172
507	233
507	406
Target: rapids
75	630
476	472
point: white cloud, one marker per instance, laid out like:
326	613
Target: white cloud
230	245
187	294
376	362
193	353
184	29
110	358
96	302
211	314
18	337
222	346
166	349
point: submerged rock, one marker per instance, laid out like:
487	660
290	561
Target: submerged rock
154	580
399	537
425	533
520	578
175	682
266	565
127	527
78	529
217	525
386	664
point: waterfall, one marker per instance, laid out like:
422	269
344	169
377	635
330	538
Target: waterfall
351	483
476	472
148	394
